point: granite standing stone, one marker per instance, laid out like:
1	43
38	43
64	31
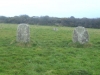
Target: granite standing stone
23	33
55	29
80	35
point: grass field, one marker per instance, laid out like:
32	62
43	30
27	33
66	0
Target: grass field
49	52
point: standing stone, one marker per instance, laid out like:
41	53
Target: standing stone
55	29
80	35
23	33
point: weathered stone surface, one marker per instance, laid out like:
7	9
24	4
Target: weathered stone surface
80	35
23	33
55	29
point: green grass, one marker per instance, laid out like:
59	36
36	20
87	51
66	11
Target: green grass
49	52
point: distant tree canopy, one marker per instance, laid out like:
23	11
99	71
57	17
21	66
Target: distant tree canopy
46	20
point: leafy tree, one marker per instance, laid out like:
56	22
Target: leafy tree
46	20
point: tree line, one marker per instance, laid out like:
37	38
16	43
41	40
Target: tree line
46	20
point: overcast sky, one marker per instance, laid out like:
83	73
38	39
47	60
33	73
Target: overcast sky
53	8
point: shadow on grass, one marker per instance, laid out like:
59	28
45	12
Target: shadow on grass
79	72
29	44
78	45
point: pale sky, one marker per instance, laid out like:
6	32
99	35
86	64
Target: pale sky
52	8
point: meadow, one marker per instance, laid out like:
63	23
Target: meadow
49	52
